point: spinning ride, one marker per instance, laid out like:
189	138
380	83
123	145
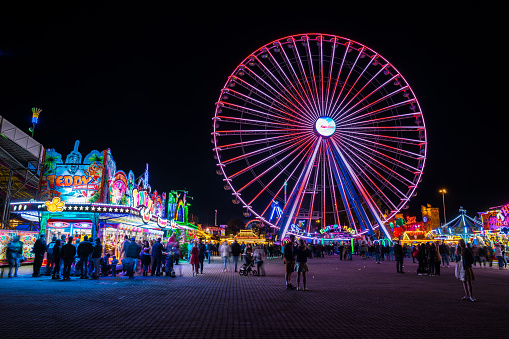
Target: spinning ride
323	125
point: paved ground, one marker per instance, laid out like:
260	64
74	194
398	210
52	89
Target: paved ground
356	298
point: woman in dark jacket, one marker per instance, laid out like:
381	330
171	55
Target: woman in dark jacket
57	255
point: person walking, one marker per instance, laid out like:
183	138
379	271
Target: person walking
85	248
399	255
157	257
39	250
301	267
201	255
224	251
236	251
194	259
14	253
68	253
290	262
464	270
56	259
96	258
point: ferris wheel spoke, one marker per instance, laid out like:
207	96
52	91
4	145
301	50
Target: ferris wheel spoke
335	104
329	77
257	131
302	101
312	75
281	88
363	141
329	100
269	157
297	79
292	142
339	106
305	80
374	153
382	137
296	194
303	152
390	118
373	208
335	208
241	144
283	113
342	187
382	178
377	111
343	110
275	93
270	168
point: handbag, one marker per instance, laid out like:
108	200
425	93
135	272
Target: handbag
457	270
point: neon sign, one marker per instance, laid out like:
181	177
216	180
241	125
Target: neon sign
325	126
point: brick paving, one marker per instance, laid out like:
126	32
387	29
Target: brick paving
356	298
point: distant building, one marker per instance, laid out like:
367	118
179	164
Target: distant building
430	217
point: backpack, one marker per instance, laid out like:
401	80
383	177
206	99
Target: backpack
415	254
50	247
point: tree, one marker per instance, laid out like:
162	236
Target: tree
234	226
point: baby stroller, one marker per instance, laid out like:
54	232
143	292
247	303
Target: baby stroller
248	266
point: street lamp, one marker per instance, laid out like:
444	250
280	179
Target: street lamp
443	191
35	118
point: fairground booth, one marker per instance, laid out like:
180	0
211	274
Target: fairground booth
87	195
495	225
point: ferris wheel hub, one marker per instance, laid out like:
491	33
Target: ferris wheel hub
325	126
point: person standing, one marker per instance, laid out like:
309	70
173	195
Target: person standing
39	250
194	259
399	255
132	253
444	254
209	251
464	270
201	254
259	255
224	251
301	267
432	257
68	253
157	257
500	258
85	248
290	262
49	256
236	251
378	251
14	253
96	258
56	259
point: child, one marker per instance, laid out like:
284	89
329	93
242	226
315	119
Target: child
114	263
105	265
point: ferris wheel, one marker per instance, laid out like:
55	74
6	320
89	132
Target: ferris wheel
323	126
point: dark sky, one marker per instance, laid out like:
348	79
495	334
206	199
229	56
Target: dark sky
142	80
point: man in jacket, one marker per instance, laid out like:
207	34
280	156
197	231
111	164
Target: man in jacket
131	254
85	248
157	257
39	250
236	251
68	252
49	256
398	255
96	258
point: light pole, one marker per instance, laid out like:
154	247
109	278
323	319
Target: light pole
215	218
443	191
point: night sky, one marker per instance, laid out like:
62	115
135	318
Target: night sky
143	80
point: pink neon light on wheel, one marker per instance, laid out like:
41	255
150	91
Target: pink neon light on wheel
325	126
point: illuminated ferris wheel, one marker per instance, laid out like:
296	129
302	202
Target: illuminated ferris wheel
323	126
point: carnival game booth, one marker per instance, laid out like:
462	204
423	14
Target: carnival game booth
89	196
28	239
495	223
